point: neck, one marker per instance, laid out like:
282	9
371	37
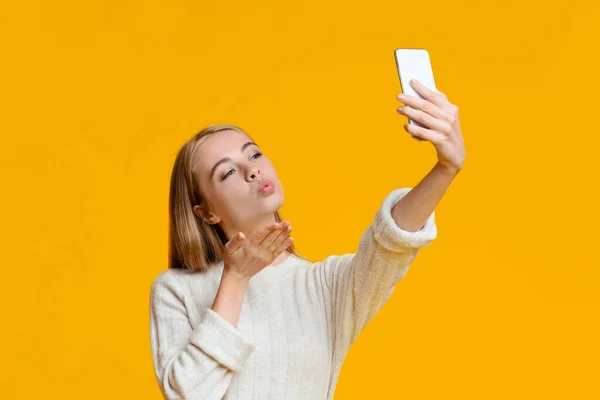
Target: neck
250	228
280	258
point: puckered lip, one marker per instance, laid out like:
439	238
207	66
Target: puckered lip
262	182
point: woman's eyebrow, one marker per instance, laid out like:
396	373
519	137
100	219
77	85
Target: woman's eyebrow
214	168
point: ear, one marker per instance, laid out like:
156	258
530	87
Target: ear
206	216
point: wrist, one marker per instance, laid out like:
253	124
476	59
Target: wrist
234	278
452	170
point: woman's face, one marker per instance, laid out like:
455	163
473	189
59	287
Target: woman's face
231	172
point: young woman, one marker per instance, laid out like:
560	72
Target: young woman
240	314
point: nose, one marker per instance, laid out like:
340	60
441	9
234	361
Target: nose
254	173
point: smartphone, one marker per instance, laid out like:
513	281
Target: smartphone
414	64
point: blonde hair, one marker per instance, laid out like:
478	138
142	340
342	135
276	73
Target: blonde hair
194	243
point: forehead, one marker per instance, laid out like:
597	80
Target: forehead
215	146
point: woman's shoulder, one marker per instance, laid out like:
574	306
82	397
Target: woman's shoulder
330	259
327	265
178	278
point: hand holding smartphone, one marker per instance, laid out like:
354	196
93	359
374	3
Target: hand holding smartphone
414	64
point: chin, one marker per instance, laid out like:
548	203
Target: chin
275	201
272	203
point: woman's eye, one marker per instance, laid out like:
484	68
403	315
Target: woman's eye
226	175
231	170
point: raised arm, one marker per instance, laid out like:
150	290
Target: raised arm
360	283
192	362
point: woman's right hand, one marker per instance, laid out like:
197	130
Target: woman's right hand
244	257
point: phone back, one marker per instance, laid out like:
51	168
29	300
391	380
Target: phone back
414	64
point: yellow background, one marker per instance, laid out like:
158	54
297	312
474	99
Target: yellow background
98	97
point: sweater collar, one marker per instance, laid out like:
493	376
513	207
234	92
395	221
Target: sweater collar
279	271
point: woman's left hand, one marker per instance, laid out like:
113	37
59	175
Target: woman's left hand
435	112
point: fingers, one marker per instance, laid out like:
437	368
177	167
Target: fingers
283	246
283	235
282	227
419	133
438	124
436	97
258	238
235	243
270	238
421	104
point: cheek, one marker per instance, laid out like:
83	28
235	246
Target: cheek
224	192
230	191
269	168
228	200
235	192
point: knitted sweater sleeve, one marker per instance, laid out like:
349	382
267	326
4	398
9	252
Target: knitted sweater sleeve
360	283
192	362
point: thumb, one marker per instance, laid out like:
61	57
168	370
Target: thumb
235	243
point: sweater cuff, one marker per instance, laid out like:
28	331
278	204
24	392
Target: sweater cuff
222	341
391	236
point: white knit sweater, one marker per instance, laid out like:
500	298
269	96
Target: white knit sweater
297	322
